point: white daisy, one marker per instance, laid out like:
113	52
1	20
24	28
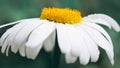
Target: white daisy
77	36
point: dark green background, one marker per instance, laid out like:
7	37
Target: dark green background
12	10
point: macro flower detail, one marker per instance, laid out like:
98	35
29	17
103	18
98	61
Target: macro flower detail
77	37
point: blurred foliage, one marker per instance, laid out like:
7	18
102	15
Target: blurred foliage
12	10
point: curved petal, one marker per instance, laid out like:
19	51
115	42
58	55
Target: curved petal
13	34
98	21
4	45
90	44
106	19
70	58
7	50
100	29
10	34
23	34
49	43
4	36
12	23
78	47
36	39
101	41
63	38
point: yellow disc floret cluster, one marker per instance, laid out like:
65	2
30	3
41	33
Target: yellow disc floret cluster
61	15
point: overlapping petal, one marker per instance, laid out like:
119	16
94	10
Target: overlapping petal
49	43
90	44
82	40
36	39
23	34
105	20
9	35
101	41
78	47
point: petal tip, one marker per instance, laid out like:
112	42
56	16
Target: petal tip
112	62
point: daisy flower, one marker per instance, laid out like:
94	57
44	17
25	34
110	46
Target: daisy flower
77	36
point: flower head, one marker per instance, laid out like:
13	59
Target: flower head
76	36
61	15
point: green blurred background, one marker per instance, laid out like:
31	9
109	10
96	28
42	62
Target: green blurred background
12	10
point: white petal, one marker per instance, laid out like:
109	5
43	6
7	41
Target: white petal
106	19
70	58
4	45
23	34
49	43
99	21
22	50
101	41
100	29
37	37
12	23
91	45
32	52
7	50
78	47
10	34
63	38
4	36
13	34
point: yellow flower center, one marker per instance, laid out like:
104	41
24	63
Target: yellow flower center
60	15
